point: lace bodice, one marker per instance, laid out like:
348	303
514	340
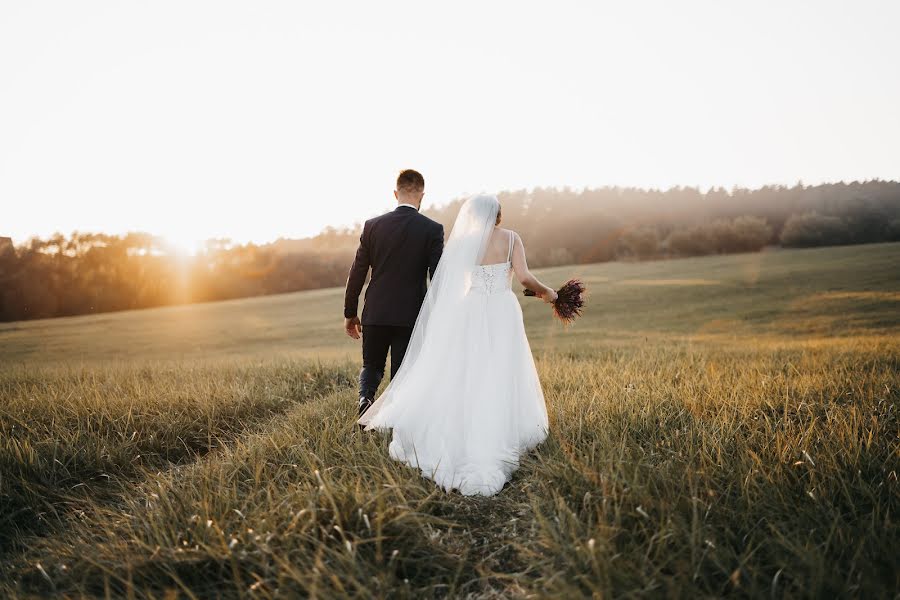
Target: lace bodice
493	278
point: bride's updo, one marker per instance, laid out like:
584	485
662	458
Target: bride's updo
499	213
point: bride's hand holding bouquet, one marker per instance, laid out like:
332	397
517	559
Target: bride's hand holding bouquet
567	302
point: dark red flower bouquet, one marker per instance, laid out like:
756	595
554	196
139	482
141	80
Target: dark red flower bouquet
569	301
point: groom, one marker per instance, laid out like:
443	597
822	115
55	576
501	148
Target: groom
402	247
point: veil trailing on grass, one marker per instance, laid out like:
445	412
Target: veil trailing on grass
442	309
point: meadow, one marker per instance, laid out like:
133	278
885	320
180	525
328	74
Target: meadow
723	425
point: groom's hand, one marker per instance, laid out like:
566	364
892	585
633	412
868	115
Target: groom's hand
353	327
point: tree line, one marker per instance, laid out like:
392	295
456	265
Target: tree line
90	272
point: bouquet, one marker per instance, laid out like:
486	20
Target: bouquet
569	300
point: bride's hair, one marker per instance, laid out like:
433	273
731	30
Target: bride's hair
499	213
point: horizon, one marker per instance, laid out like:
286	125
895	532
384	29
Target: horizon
199	244
222	123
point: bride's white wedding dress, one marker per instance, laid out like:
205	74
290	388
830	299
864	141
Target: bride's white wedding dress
467	401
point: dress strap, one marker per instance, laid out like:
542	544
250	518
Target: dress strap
509	253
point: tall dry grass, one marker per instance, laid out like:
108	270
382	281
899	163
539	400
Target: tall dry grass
683	470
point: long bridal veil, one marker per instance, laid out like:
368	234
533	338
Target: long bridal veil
443	306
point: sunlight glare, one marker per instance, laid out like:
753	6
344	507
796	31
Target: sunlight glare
183	244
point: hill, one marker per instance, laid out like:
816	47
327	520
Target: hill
775	294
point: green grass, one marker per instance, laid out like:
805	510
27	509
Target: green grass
720	426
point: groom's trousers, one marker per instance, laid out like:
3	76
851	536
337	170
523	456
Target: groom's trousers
376	341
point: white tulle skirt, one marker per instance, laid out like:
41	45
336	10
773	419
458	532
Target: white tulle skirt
471	403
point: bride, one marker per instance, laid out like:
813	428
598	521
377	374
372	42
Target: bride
466	402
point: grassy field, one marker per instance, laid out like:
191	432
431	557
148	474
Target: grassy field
720	426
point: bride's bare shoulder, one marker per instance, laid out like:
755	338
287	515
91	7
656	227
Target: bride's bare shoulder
505	233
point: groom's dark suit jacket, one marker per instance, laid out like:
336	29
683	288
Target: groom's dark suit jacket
402	247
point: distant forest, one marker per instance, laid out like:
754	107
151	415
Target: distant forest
90	273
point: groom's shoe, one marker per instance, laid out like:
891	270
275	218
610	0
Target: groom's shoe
364	404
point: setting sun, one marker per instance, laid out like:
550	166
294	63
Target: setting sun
183	243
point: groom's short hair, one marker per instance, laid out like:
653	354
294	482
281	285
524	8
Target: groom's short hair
410	181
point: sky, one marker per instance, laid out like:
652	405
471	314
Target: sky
257	120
